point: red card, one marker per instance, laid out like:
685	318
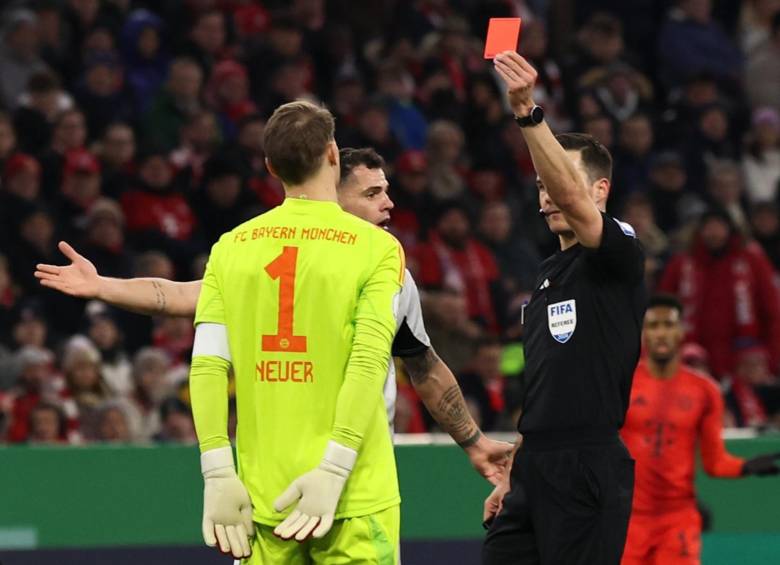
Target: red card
502	35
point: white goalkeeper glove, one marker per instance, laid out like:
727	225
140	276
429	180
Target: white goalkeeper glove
227	509
319	492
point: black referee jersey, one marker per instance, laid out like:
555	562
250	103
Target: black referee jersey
582	334
572	479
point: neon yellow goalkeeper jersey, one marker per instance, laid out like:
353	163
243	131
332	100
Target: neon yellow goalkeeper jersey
307	293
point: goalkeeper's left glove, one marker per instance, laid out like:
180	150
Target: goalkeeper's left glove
227	508
319	492
762	465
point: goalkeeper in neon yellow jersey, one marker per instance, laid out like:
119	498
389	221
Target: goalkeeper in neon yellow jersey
299	301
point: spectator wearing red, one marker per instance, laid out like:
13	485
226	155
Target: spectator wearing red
47	425
20	190
154	207
81	181
729	293
249	151
753	392
453	258
411	198
37	380
228	94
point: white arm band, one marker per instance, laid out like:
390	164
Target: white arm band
211	339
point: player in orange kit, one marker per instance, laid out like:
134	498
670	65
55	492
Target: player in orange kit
673	407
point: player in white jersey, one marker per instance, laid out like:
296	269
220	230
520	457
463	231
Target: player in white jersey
363	191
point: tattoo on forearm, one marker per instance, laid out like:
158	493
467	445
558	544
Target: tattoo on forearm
160	294
453	415
419	367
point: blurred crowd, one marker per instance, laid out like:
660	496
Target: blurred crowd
133	129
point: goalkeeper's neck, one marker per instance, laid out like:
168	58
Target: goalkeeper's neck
320	186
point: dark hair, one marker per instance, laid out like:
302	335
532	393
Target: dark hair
663	300
295	139
43	82
350	158
595	157
62	424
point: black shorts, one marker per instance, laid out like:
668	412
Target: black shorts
569	503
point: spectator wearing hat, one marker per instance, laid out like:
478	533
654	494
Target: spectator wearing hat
104	240
36	381
29	326
103	328
453	258
761	161
151	368
81	181
413	202
19	56
84	389
722	268
144	56
227	93
102	93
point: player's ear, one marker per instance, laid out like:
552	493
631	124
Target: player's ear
270	168
601	192
332	153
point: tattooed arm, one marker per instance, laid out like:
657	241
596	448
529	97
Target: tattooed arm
439	391
150	296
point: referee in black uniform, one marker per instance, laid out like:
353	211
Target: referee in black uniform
568	496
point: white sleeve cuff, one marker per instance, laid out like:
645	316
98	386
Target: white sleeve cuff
211	339
340	455
216	459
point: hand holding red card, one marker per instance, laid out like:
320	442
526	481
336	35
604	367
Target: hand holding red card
502	35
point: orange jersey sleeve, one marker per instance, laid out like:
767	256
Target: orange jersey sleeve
717	461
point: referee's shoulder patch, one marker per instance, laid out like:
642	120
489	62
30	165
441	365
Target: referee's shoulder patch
626	228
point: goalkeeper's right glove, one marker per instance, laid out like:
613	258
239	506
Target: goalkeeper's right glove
227	509
317	493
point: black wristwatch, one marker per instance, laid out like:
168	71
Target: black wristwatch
534	118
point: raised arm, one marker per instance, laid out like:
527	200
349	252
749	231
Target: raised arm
150	296
560	177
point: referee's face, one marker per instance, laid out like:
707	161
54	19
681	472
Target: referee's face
663	333
552	214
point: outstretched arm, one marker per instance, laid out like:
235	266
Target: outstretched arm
439	391
150	296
